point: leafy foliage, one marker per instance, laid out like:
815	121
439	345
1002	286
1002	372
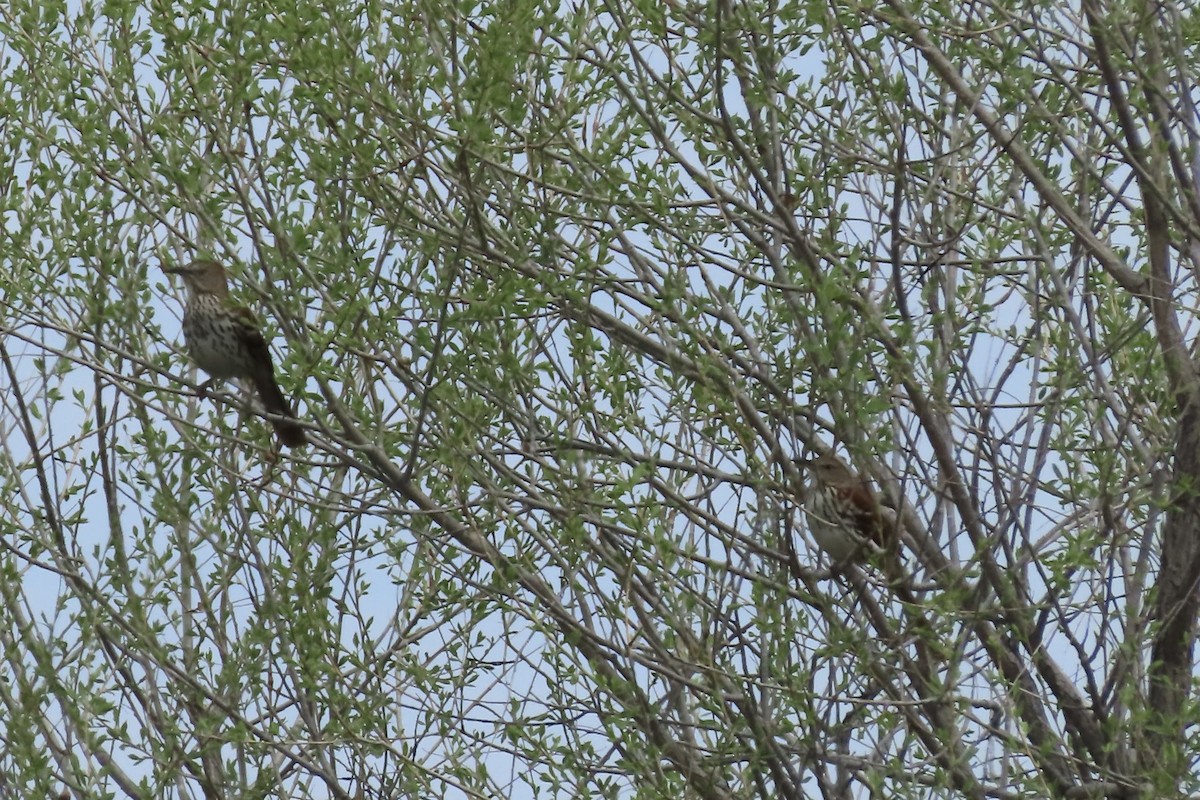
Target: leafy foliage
563	292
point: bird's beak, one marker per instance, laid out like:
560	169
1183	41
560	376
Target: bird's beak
174	270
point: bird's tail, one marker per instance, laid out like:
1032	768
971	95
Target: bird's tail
290	432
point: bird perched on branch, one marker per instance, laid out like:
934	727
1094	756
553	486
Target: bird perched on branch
843	514
224	340
851	527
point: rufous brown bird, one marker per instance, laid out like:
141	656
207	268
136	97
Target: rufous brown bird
224	340
843	513
848	523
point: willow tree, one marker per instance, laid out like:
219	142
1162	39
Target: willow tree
566	296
